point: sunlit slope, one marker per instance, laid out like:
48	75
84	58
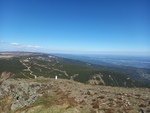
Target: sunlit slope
35	65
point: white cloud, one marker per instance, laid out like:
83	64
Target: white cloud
34	47
25	46
15	44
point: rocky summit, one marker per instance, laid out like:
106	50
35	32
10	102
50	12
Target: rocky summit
47	95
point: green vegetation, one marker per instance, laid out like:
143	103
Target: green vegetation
11	65
46	99
119	80
63	68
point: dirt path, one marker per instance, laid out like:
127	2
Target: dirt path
28	69
52	68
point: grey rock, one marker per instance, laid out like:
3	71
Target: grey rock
24	93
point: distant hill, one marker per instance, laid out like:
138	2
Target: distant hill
33	65
141	74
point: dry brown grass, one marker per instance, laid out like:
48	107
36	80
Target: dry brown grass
5	103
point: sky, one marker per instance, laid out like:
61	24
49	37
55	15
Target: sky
75	26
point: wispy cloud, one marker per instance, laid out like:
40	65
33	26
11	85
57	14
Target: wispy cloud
34	47
15	44
25	46
1	41
29	46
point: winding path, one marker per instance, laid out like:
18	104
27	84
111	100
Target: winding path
28	69
52	68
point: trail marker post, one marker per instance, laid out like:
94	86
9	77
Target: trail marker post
55	77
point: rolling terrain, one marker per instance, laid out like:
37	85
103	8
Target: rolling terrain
33	65
136	67
27	85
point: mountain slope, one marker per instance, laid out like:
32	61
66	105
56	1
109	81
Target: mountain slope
33	65
27	85
97	62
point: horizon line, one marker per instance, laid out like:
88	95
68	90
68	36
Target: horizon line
140	53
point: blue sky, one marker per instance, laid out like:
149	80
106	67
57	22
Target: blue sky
75	26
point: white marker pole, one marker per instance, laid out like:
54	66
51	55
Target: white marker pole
55	77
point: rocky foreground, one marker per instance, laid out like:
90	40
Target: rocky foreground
47	95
